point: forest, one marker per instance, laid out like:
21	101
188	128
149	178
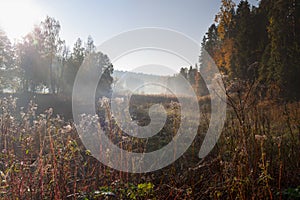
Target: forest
257	51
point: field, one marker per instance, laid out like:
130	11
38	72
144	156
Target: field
256	157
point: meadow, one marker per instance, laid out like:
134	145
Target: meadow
256	157
252	46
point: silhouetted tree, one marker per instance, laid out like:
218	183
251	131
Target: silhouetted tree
73	64
32	62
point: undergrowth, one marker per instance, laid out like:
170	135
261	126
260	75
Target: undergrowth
257	156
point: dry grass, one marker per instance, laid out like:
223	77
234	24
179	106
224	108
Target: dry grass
257	157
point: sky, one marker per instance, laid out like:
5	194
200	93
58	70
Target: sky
103	19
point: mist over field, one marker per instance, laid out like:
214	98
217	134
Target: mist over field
139	100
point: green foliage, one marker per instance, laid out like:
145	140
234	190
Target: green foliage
291	193
127	191
42	62
8	70
260	43
243	34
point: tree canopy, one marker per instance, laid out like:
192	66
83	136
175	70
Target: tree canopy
258	44
42	62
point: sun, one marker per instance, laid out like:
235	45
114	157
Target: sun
17	17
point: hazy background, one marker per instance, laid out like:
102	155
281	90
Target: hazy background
103	19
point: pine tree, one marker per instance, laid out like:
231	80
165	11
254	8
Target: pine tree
243	41
90	46
283	64
209	48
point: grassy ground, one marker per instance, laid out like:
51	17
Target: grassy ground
257	156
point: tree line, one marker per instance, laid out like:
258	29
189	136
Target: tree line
193	76
259	44
247	43
42	62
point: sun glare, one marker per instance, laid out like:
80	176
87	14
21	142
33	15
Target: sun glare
17	17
